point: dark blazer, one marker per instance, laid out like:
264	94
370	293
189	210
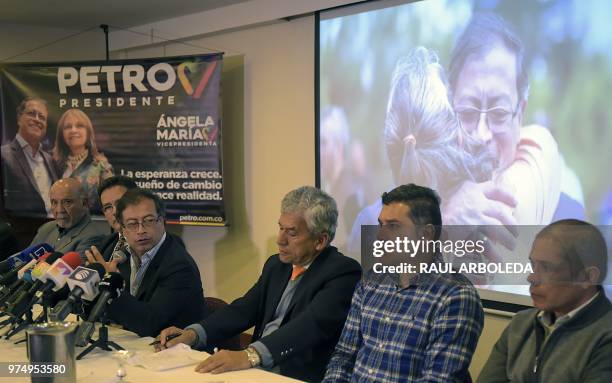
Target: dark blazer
303	344
170	293
20	191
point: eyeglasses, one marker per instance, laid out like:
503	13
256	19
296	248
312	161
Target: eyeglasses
36	115
146	223
498	118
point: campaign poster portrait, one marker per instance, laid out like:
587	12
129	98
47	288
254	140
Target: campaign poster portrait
156	120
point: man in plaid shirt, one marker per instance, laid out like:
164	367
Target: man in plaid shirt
409	327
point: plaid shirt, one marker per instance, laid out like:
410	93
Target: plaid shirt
426	332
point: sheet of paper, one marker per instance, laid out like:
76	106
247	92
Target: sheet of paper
177	356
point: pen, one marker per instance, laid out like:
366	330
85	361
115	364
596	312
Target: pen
168	338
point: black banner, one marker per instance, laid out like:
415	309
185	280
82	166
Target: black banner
155	120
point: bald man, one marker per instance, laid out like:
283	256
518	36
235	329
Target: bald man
567	336
72	229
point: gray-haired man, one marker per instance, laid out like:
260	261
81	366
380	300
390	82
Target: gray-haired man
299	304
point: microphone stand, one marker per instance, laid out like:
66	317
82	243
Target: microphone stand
42	317
17	323
102	342
5	322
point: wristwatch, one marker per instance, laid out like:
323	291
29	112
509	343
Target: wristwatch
253	356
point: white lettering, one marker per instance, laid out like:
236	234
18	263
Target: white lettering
132	77
89	79
170	77
66	77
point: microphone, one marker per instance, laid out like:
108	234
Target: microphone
60	270
30	265
110	288
19	259
10	277
56	276
26	271
21	296
119	250
15	289
83	283
119	255
17	273
39	274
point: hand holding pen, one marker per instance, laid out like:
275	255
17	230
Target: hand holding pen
168	338
174	335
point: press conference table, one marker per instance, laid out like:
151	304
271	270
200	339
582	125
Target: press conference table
101	366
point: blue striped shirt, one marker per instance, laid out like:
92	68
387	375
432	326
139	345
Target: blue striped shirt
139	266
426	332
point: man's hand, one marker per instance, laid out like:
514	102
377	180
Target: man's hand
224	361
188	337
93	256
486	205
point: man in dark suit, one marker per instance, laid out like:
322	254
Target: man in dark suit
110	192
28	171
299	304
162	282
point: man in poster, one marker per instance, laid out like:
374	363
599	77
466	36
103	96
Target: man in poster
28	171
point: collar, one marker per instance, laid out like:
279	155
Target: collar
546	318
23	144
420	278
149	255
305	266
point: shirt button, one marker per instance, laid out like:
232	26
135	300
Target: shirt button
381	345
370	371
387	319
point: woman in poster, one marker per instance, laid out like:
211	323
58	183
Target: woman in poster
77	155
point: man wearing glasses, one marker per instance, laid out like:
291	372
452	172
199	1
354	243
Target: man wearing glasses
490	86
72	229
162	282
28	171
113	247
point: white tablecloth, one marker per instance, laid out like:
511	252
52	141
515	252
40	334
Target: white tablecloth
101	366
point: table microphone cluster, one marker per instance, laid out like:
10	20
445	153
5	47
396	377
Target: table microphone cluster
39	275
